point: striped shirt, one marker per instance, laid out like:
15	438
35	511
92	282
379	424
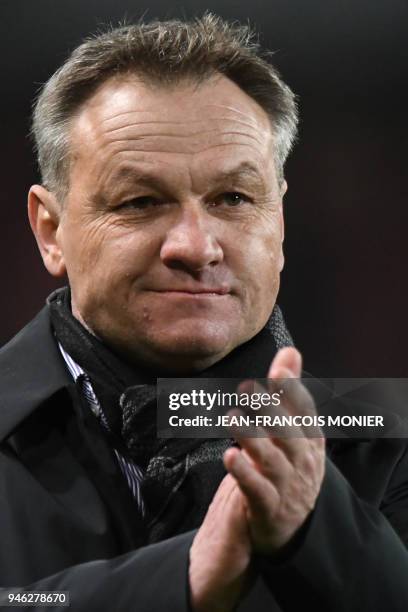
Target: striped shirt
132	473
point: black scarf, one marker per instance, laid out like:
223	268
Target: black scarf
180	475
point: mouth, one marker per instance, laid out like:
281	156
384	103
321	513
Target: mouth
195	293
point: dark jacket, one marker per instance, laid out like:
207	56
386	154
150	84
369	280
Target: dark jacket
68	522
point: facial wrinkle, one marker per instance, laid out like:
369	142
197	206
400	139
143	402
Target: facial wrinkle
181	136
178	123
235	111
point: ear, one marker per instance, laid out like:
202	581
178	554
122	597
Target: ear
283	190
44	213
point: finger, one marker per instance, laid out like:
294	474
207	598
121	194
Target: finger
261	495
293	440
298	403
283	429
268	458
278	458
288	358
294	395
297	399
289	437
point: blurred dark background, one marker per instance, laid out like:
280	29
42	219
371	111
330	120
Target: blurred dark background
343	290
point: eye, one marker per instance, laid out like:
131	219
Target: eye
232	198
140	203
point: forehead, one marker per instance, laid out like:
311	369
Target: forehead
128	120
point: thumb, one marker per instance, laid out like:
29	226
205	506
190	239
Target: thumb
287	363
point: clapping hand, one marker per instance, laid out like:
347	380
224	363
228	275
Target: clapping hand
271	488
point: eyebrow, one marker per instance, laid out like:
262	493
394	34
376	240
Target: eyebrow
134	174
246	171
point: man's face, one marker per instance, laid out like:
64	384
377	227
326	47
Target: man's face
172	229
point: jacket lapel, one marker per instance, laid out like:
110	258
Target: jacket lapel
31	370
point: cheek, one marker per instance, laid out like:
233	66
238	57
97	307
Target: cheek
260	254
83	245
260	264
103	257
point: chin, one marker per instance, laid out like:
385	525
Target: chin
177	346
199	344
195	350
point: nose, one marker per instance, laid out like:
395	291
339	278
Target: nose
191	243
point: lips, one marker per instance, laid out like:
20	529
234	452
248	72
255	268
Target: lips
196	290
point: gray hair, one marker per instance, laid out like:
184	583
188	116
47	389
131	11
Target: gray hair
163	52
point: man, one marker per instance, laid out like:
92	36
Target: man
161	148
